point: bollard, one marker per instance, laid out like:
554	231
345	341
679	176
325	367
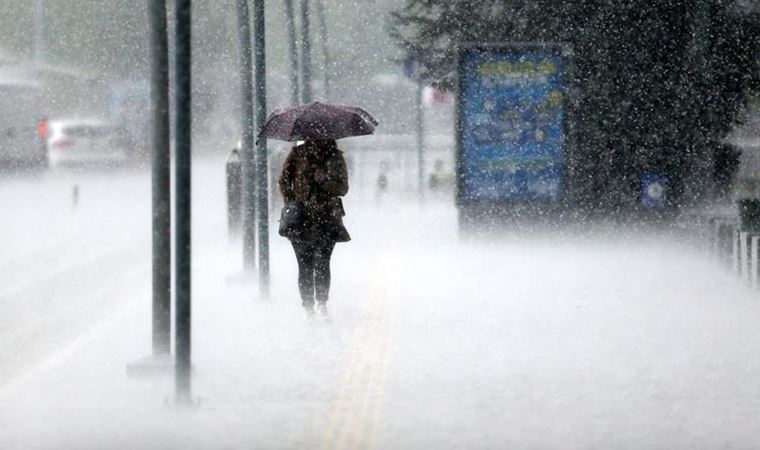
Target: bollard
712	238
753	261
75	196
734	250
707	238
720	241
743	259
234	194
725	247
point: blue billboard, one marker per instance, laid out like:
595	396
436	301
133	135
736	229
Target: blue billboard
511	119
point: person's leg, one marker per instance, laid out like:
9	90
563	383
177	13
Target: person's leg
322	256
305	257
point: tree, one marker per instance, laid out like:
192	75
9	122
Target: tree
656	83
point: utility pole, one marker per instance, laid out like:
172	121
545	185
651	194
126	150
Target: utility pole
159	361
161	179
246	150
183	144
700	78
420	128
305	53
412	69
262	166
325	47
290	22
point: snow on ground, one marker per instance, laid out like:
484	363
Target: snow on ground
522	341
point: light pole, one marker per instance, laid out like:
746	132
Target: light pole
262	166
160	359
183	200
161	175
325	47
412	69
701	75
290	22
246	150
420	135
305	53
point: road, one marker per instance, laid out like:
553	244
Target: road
65	254
611	338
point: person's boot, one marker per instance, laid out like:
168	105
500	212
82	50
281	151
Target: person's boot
321	312
310	313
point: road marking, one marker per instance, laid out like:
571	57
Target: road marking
55	271
120	313
356	413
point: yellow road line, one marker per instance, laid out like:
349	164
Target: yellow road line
356	413
380	393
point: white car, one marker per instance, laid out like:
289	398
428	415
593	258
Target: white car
83	142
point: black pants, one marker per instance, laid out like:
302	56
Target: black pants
313	270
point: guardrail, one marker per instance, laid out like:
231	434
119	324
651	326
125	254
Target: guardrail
730	238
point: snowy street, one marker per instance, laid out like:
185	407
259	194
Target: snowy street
553	210
607	340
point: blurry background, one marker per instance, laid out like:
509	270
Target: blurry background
661	85
98	50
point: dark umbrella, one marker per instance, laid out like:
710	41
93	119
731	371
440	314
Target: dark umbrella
317	121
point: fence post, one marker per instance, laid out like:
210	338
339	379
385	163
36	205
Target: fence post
234	194
743	259
734	249
753	261
725	244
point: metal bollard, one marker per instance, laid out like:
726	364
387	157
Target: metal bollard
75	196
753	261
725	247
234	194
712	238
743	259
735	250
716	239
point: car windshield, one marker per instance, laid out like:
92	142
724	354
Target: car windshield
87	131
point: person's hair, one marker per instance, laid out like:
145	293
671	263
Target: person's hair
328	145
323	145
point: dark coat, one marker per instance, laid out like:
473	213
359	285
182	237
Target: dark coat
317	179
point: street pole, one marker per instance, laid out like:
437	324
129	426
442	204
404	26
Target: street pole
707	148
161	179
183	144
39	31
325	47
262	167
305	53
420	128
699	184
290	22
247	155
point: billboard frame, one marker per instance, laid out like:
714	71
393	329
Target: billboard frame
470	209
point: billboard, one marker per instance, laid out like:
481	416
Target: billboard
511	123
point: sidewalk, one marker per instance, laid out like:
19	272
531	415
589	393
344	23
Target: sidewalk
511	343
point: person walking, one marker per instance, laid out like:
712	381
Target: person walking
313	180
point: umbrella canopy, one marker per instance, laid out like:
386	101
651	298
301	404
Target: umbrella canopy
316	121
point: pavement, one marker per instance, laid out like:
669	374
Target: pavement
608	339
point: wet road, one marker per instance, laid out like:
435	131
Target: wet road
610	340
